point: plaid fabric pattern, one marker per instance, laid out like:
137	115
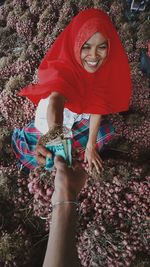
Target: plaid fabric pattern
81	132
24	141
23	144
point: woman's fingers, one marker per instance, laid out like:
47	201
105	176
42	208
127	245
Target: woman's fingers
41	154
93	159
85	158
89	163
98	166
43	151
99	162
41	160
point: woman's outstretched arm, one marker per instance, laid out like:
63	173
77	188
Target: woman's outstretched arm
55	109
95	121
91	155
54	118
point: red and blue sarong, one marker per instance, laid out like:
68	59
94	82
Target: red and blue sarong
24	140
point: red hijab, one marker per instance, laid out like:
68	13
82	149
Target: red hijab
105	91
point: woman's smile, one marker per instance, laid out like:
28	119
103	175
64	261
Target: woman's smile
92	64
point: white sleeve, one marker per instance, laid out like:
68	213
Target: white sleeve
41	115
41	123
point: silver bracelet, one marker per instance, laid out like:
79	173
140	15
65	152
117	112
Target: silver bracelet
64	202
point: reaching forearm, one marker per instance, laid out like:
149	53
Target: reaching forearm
95	120
61	249
55	109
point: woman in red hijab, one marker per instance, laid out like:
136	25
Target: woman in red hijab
86	71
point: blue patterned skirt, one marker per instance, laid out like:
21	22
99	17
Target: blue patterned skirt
24	140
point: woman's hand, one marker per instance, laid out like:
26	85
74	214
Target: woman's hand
41	153
92	157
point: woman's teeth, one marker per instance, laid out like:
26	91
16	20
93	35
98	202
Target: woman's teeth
92	63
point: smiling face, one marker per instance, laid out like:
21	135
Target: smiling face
94	52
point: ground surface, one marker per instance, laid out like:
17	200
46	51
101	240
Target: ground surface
113	227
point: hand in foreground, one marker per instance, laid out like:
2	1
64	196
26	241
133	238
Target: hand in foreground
68	181
41	154
92	157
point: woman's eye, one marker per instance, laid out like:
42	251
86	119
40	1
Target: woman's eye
85	47
102	47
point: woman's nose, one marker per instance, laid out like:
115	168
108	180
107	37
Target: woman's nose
93	53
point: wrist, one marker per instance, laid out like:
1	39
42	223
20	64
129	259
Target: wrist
65	205
54	125
64	211
91	145
64	196
52	134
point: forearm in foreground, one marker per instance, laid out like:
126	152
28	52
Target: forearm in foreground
61	248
